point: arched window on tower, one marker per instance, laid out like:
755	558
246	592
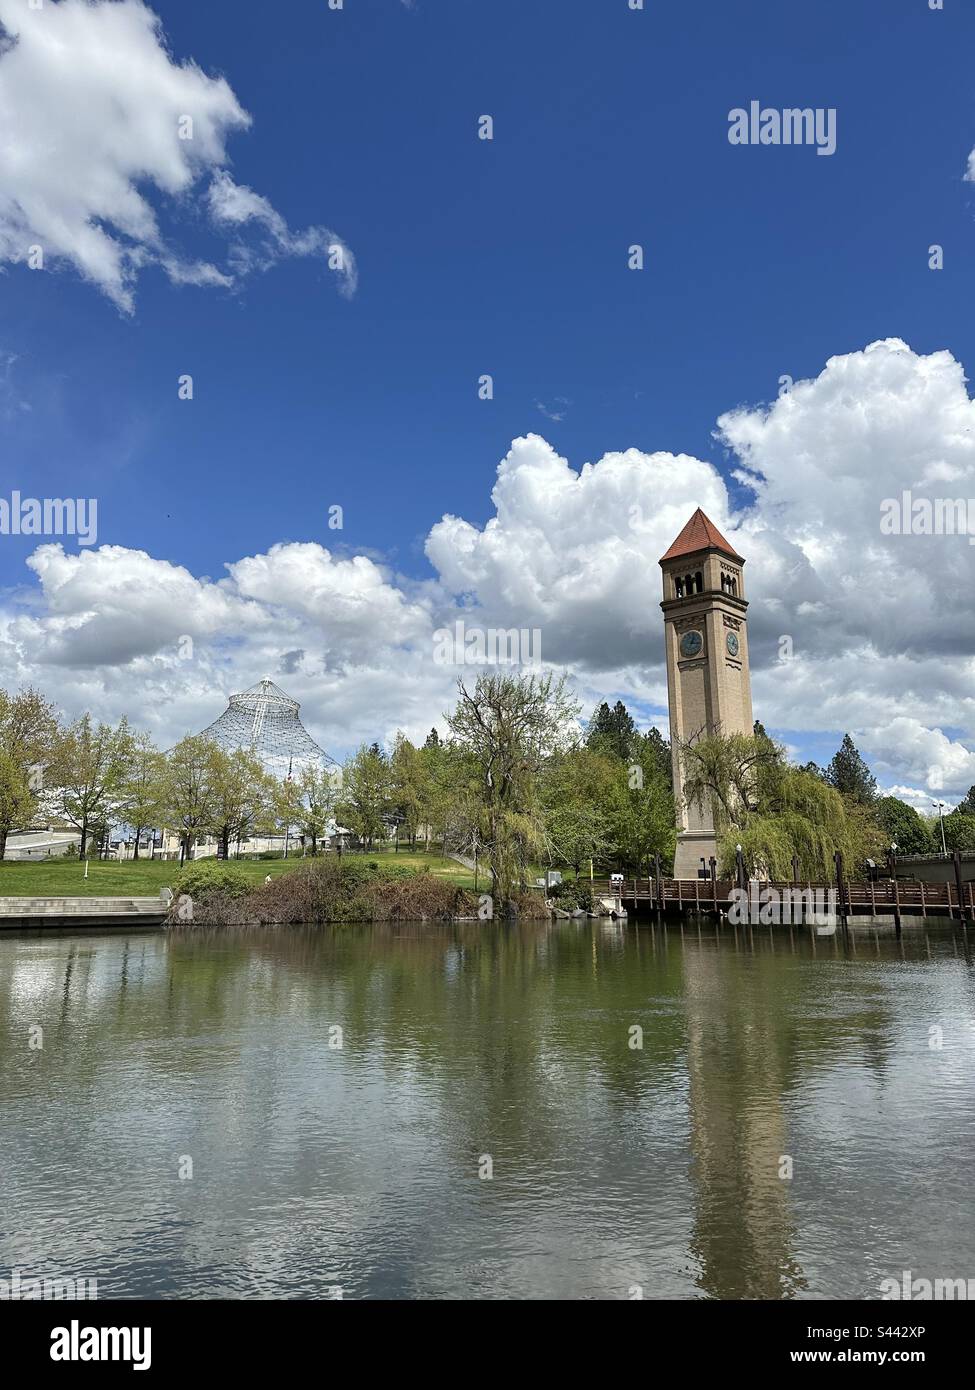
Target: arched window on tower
678	586
698	583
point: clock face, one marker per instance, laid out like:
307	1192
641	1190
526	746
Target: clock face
691	644
732	641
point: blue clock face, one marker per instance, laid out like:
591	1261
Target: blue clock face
732	641
691	644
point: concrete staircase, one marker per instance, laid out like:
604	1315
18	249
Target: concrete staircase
83	912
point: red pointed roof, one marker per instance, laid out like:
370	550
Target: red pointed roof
700	533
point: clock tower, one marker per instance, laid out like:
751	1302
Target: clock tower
708	686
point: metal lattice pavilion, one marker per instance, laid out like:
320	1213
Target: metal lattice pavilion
265	721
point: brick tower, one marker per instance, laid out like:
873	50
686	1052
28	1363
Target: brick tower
708	685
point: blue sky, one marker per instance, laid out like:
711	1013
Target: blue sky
506	257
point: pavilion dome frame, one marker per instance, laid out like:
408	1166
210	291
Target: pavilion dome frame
265	721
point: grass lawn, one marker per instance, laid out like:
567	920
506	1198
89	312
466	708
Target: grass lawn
431	863
64	878
454	872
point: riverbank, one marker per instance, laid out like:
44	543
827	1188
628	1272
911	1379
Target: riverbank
328	891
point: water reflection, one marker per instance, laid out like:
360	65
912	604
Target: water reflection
665	1168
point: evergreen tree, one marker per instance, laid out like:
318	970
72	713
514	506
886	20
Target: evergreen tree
656	748
433	739
967	807
849	774
611	731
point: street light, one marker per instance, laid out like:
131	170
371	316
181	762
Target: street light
740	867
939	806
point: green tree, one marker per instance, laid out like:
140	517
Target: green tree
18	801
775	811
366	788
902	826
808	819
444	777
611	731
407	786
849	774
189	794
510	725
657	748
141	790
577	792
309	800
643	819
959	832
91	762
967	807
435	786
28	739
726	774
242	796
28	728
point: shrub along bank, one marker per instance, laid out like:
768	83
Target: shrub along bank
326	890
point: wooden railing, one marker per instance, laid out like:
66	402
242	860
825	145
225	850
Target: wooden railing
879	898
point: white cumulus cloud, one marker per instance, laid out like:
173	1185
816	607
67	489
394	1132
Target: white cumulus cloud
95	114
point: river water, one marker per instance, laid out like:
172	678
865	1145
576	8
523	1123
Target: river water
191	1127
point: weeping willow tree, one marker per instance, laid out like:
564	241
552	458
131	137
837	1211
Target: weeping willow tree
510	725
775	812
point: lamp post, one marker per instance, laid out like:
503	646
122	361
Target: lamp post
939	806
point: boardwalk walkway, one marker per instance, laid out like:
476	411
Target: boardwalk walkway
888	897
